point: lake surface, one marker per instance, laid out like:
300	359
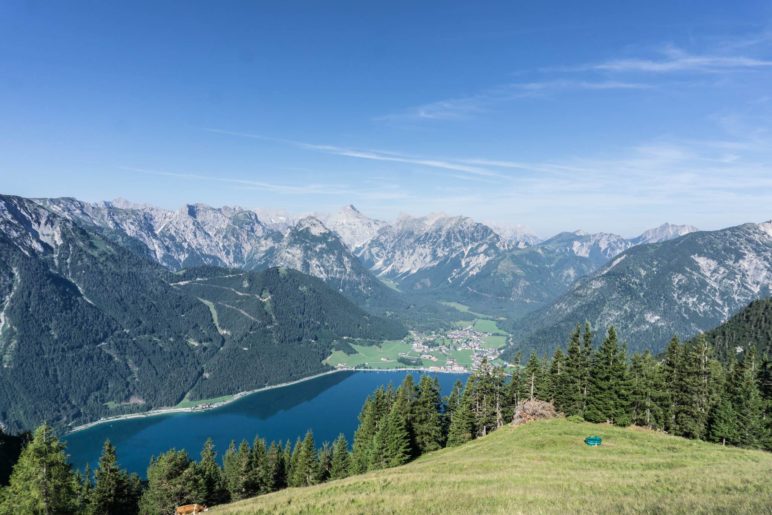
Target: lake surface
328	405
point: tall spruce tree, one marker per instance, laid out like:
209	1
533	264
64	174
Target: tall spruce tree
672	365
607	395
305	469
171	481
747	402
341	462
570	384
427	421
647	395
114	490
462	422
215	491
277	478
41	481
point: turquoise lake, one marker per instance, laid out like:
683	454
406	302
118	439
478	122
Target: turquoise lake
328	405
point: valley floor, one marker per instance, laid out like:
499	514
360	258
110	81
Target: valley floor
545	467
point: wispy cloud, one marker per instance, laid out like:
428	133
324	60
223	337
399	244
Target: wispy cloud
467	106
674	59
372	155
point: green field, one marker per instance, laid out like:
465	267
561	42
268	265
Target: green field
463	308
383	355
544	467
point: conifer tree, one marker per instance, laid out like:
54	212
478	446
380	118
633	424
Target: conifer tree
427	424
451	404
722	423
287	462
215	491
694	386
747	402
41	481
341	462
533	378
293	463
363	437
573	377
171	481
276	477
586	364
555	383
392	443
258	467
647	391
305	470
514	389
671	368
607	396
114	491
462	422
325	463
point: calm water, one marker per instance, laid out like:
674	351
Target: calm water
328	405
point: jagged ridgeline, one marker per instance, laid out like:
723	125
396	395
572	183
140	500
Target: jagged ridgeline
89	328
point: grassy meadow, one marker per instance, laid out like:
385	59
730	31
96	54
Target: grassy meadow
545	467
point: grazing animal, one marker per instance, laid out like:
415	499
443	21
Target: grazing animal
190	509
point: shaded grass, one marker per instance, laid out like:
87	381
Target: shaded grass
545	467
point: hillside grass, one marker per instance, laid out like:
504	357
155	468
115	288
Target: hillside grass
545	467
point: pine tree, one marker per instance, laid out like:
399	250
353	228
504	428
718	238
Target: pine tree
722	423
114	491
427	423
305	470
514	392
172	480
341	462
694	387
570	384
747	402
647	391
277	478
533	378
392	443
325	463
607	395
451	404
586	363
671	368
41	481
363	437
238	469
259	467
215	491
462	423
556	392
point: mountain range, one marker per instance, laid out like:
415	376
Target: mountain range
89	327
100	303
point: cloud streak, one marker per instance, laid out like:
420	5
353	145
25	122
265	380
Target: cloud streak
465	107
676	60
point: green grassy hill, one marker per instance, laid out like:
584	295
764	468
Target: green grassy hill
545	467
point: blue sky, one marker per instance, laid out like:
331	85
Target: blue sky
554	115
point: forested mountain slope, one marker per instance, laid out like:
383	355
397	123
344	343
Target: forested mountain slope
89	328
750	327
652	292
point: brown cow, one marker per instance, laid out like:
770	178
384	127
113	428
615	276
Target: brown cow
190	509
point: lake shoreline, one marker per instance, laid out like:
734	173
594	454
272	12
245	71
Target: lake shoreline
190	409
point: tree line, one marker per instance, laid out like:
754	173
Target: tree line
686	392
